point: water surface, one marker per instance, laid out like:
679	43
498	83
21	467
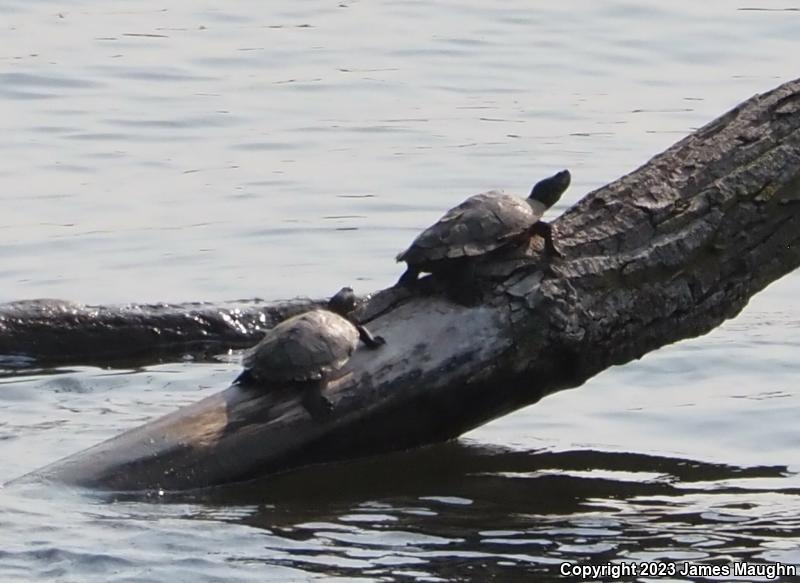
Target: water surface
214	152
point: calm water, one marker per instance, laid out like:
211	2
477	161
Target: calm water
219	151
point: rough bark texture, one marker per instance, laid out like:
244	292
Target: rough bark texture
54	331
664	253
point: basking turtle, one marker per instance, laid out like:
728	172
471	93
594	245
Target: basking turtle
305	349
481	224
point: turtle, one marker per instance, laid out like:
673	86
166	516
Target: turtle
481	224
304	350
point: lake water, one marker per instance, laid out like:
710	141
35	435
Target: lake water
219	151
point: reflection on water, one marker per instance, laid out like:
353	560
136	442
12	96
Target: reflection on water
457	507
463	511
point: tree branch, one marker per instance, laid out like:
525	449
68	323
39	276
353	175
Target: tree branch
664	253
59	332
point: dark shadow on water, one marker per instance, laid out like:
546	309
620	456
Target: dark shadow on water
562	480
461	512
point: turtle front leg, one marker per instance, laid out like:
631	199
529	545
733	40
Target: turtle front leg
368	339
409	278
545	230
244	378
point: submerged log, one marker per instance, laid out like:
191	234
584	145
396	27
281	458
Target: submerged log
59	332
665	253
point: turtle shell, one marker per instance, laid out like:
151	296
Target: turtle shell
480	224
303	348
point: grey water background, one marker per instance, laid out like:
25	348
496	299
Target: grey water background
214	151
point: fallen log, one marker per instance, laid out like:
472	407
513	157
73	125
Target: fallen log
665	253
48	332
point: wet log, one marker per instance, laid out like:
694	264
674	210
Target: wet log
49	332
665	253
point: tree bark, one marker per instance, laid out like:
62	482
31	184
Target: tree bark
665	253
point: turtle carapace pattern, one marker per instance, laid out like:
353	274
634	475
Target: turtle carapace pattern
483	223
304	350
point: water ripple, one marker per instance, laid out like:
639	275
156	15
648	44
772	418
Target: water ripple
204	152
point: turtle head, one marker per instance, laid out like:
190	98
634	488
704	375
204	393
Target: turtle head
549	190
343	302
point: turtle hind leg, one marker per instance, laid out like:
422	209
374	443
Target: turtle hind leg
315	402
462	284
545	230
409	278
